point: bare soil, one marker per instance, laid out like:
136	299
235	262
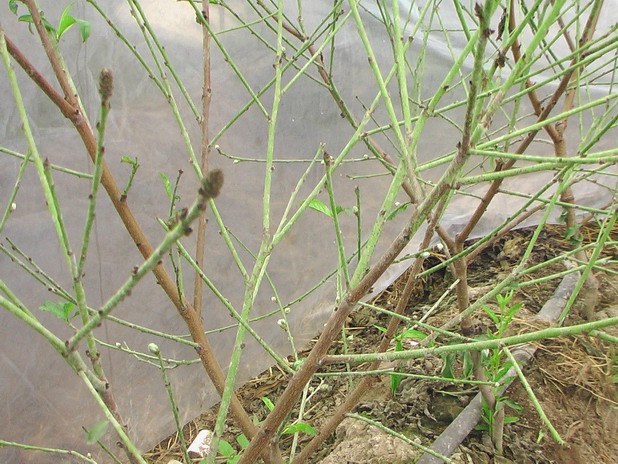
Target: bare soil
574	378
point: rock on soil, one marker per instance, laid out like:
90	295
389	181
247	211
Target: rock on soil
364	443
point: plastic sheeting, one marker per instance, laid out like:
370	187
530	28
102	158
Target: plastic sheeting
41	402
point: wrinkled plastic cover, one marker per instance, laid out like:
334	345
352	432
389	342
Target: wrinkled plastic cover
41	401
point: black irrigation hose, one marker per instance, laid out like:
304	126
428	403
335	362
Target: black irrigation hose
460	428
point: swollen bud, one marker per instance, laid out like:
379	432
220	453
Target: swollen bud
106	85
211	184
153	348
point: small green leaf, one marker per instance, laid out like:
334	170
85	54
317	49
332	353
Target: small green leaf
447	366
571	232
225	449
413	333
168	186
96	432
65	25
13	6
66	21
510	419
321	207
28	19
502	372
300	427
128	160
60	310
297	364
242	440
468	365
395	382
70	310
84	28
398	210
341	209
269	404
492	315
514	406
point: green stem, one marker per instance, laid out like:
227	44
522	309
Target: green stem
36	272
550	120
10	204
154	349
43	171
553	332
105	89
343	265
259	269
393	372
4	443
599	245
55	167
166	61
33	322
533	398
127	444
604	336
558	163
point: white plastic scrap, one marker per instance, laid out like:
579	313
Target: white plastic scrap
201	445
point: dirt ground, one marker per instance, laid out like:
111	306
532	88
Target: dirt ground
575	380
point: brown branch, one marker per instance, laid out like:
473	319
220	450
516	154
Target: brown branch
204	124
368	381
64	106
565	34
51	51
82	125
505	230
